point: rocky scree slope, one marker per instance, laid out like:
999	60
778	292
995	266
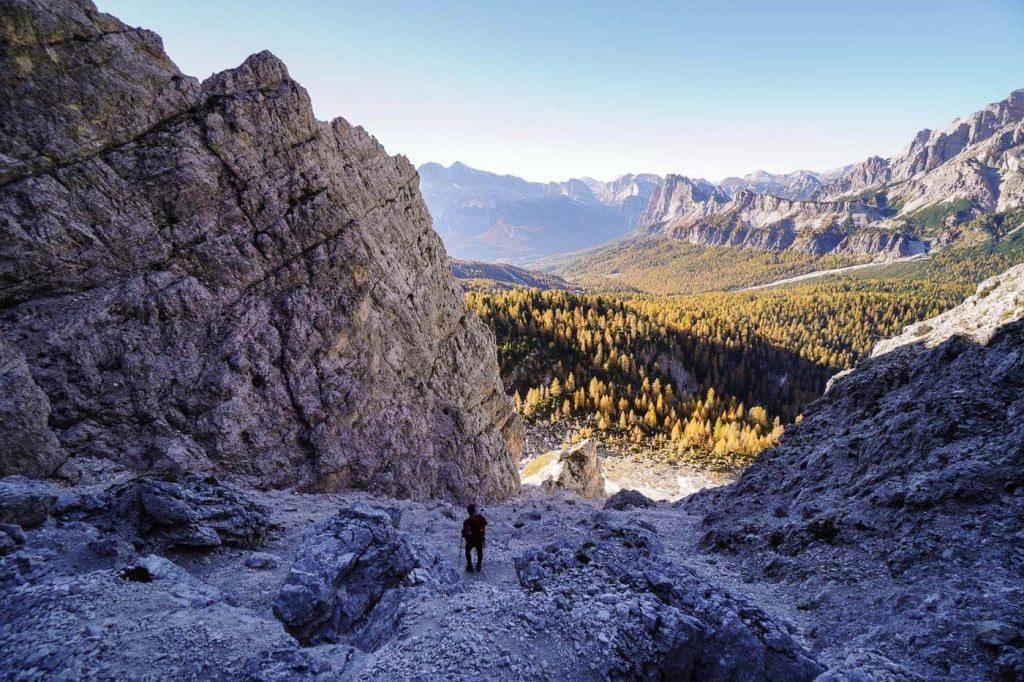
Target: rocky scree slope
352	586
892	514
202	276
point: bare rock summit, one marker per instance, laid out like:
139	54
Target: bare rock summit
202	276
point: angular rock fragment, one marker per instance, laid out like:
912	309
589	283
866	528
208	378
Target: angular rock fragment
347	575
194	511
576	469
25	502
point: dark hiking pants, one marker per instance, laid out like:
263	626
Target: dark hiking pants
479	545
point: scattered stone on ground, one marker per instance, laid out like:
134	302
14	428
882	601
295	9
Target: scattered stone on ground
624	499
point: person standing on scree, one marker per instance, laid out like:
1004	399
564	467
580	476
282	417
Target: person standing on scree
473	533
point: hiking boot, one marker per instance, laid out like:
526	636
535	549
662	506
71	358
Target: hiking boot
469	569
479	568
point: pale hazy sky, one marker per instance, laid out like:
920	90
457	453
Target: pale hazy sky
550	90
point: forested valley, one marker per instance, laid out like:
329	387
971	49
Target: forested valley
711	378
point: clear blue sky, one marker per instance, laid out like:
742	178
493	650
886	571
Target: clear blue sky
549	90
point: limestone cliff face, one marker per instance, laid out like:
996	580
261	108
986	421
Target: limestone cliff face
204	276
701	213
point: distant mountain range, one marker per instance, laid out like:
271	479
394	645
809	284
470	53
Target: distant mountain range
929	195
476	275
486	216
939	190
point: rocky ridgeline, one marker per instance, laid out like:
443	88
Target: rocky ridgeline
999	300
203	277
872	208
893	512
976	157
701	213
494	217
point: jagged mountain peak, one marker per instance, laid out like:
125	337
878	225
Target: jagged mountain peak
899	206
906	176
799	184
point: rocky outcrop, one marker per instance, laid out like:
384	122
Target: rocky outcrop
202	276
901	486
576	469
24	502
881	244
195	512
624	499
347	579
998	301
27	444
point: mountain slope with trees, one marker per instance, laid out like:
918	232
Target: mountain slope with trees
708	378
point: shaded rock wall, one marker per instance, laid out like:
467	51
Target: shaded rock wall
204	276
893	512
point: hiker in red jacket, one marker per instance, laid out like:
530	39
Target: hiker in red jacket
473	533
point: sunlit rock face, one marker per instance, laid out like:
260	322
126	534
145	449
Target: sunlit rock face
203	276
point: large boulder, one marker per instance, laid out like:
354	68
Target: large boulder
202	276
27	444
650	618
576	469
347	581
624	499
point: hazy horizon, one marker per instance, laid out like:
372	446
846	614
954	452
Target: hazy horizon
551	92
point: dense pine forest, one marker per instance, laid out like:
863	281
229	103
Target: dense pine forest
710	378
